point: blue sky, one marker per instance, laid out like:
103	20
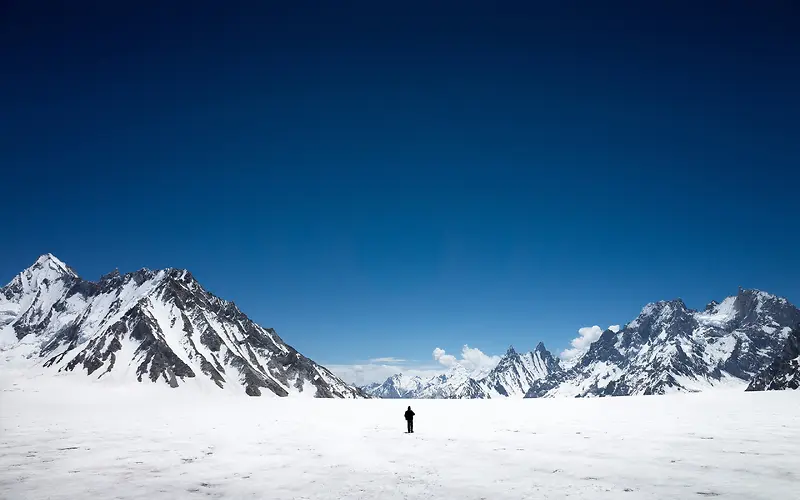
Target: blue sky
378	181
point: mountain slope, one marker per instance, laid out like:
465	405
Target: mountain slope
160	326
784	372
669	348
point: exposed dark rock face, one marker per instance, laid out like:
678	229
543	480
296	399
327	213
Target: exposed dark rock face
784	372
161	326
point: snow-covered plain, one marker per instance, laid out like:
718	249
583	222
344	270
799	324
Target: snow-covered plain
63	440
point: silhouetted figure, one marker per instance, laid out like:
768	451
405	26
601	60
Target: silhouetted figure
410	420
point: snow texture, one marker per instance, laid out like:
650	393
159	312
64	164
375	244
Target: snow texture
61	440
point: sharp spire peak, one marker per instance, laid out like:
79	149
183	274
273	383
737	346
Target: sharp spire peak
50	261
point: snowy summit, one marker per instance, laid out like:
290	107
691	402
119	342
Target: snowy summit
149	326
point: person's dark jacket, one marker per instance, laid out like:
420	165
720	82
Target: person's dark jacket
409	415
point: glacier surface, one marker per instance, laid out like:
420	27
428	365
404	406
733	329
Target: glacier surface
64	439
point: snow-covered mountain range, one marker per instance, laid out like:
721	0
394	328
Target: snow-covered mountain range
667	348
513	376
159	326
162	326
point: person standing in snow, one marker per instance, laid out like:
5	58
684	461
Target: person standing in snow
410	420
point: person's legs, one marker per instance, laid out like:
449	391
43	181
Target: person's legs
411	426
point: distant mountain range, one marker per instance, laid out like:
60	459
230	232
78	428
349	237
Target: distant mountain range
752	337
513	376
164	327
159	326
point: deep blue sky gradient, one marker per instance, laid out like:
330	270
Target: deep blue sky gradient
378	179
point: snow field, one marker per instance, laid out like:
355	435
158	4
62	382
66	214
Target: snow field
60	439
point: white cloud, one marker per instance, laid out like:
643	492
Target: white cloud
379	369
388	359
586	337
473	359
447	360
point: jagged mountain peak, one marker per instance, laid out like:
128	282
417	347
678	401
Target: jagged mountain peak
160	325
47	275
511	351
752	306
50	261
113	275
663	307
758	295
516	373
47	269
658	316
748	307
